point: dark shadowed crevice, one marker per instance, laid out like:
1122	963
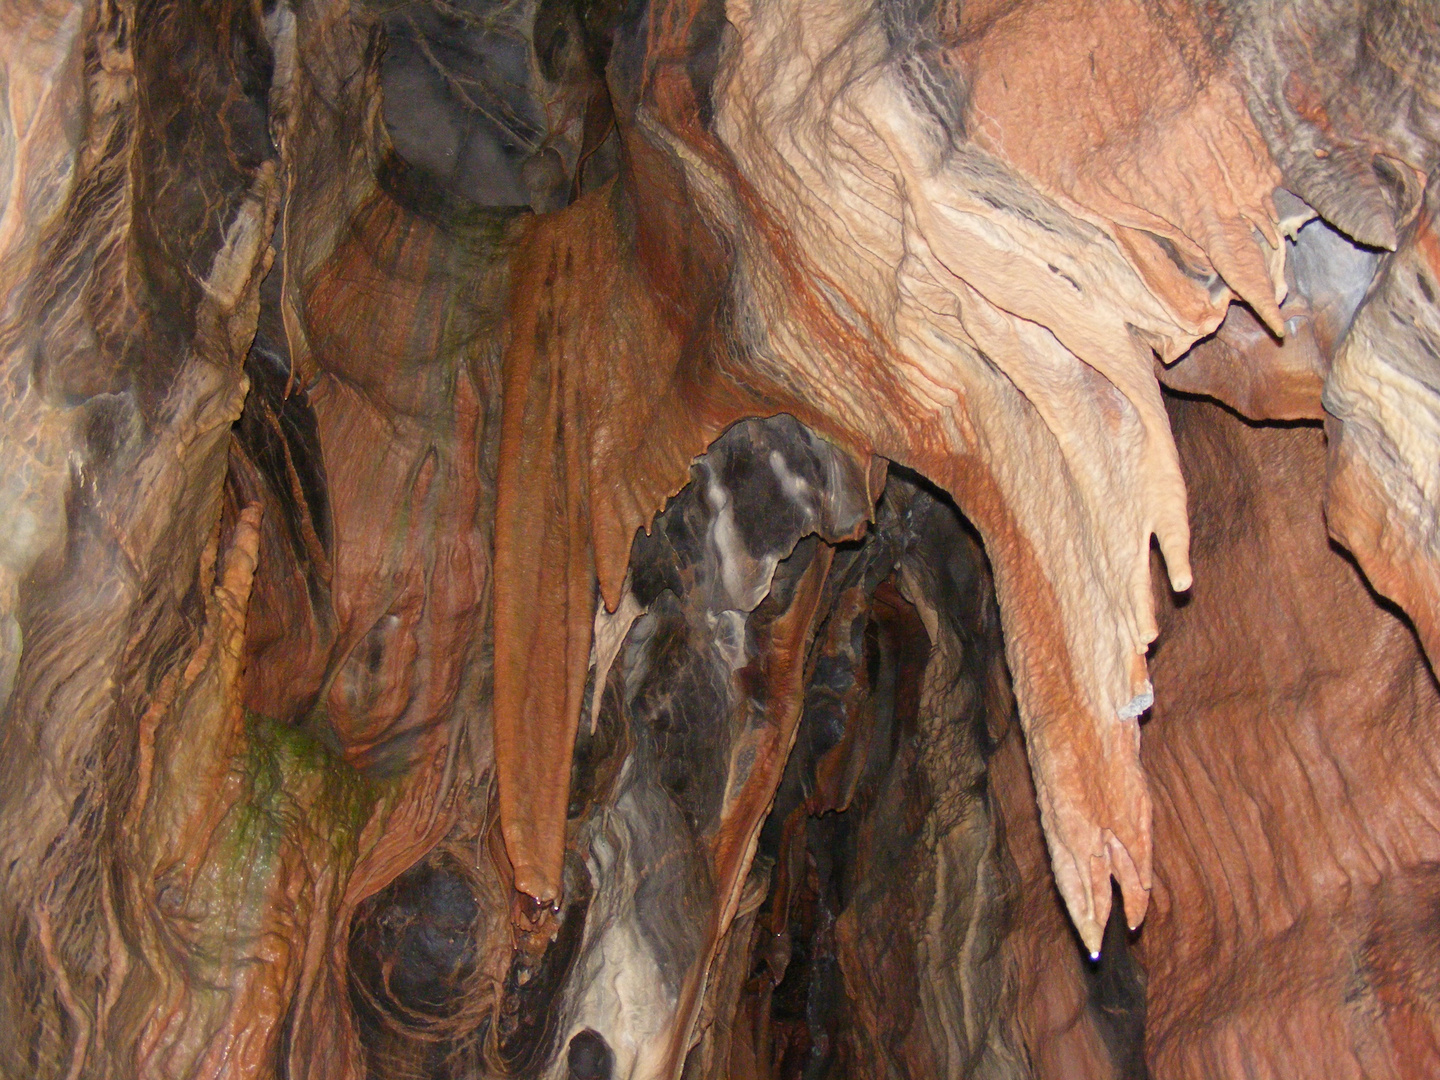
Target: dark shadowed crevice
1116	998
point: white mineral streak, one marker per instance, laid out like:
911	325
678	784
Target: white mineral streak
1029	337
608	638
625	996
41	97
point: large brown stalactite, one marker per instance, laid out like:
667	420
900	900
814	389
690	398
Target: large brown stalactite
719	539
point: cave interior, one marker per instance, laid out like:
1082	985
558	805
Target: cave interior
719	539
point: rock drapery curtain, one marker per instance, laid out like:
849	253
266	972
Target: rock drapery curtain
354	521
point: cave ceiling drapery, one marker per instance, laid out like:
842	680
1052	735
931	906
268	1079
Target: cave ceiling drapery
719	538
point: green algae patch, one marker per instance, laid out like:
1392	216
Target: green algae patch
303	810
299	785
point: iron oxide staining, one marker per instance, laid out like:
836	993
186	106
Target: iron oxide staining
454	619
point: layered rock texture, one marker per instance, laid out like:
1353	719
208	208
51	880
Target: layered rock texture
719	539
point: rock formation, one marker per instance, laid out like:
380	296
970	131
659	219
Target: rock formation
719	539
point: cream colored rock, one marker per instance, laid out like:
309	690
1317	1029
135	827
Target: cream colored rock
1019	334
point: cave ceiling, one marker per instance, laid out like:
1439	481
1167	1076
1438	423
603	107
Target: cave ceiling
718	539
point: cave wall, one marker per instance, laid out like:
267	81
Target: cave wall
717	540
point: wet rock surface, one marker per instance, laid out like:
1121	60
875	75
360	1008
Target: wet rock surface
718	540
